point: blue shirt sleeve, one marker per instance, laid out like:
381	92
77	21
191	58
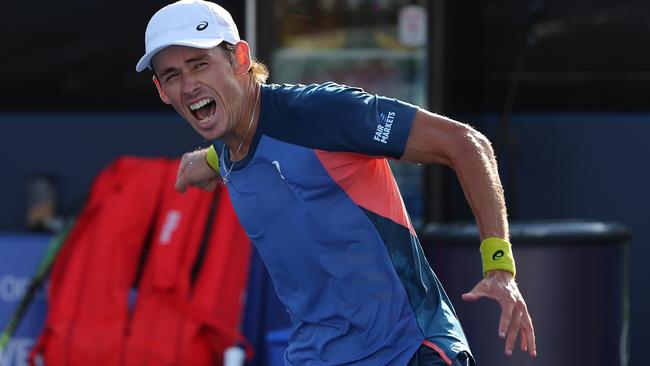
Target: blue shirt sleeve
334	117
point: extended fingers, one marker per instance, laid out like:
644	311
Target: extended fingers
507	309
479	291
513	329
514	312
528	342
472	295
519	320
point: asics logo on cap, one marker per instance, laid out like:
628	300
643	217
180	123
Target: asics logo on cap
202	26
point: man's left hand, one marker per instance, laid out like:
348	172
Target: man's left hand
501	287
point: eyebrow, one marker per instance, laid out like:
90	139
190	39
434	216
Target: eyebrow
196	59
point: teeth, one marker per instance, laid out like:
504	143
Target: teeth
199	104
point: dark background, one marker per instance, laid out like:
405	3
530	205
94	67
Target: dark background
79	55
587	54
71	101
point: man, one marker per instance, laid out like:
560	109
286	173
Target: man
307	174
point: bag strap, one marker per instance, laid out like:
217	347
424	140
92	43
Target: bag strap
200	254
149	238
200	315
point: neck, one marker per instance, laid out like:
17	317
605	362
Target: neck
244	132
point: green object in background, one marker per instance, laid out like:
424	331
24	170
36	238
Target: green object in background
41	272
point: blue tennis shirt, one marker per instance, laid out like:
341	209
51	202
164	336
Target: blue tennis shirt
318	200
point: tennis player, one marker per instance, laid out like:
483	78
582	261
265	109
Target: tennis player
306	169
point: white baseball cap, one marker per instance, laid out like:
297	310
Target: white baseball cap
193	23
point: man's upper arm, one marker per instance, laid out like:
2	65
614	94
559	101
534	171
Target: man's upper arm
334	117
433	139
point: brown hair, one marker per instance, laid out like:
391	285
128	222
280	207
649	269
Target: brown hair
258	70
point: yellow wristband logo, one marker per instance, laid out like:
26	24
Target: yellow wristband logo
498	255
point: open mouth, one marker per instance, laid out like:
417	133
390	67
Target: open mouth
203	110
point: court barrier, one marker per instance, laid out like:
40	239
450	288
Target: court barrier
573	275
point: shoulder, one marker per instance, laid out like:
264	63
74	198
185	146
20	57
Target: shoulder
295	94
326	87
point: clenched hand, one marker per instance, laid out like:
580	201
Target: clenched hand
194	171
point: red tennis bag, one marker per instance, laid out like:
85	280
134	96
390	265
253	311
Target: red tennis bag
191	293
148	276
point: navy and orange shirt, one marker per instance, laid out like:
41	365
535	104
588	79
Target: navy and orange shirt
318	199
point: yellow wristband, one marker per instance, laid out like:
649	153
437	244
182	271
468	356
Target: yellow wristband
213	159
497	254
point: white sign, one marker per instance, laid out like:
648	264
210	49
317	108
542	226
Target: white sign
16	352
13	288
412	25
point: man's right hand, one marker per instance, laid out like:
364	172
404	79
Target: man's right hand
194	171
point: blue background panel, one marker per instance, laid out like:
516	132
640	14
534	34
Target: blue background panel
20	257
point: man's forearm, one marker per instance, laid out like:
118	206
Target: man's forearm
478	174
437	139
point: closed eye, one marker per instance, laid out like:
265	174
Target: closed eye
170	77
200	65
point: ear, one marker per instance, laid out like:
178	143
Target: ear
161	92
242	58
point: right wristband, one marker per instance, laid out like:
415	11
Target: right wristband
213	159
497	254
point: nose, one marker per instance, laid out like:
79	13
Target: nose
189	84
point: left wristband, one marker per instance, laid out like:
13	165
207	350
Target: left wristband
497	254
213	159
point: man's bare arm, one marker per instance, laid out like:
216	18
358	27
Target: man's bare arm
437	139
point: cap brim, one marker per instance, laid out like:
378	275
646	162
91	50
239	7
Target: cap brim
203	43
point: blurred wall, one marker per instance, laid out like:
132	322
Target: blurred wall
580	114
590	166
74	147
80	55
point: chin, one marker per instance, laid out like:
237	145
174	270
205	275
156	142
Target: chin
208	135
